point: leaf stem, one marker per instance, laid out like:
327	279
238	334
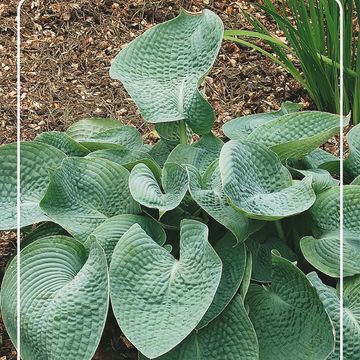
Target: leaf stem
280	231
182	132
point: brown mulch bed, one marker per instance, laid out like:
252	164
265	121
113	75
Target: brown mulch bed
67	48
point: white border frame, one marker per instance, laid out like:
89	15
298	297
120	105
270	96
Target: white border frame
18	138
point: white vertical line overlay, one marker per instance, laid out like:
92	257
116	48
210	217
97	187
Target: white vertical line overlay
341	15
18	117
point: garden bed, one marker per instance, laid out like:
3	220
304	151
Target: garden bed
66	54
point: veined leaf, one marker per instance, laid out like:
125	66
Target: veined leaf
199	154
64	299
87	128
160	152
320	159
207	192
97	133
153	294
169	132
128	159
233	258
351	311
240	128
261	256
244	287
36	160
84	192
297	134
146	190
324	252
258	184
111	230
63	142
230	336
293	315
352	163
171	59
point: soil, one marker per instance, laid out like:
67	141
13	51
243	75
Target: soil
67	48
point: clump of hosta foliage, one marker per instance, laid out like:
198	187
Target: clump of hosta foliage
203	249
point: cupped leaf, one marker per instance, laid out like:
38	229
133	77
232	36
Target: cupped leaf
169	132
146	190
288	316
111	230
230	336
321	159
233	258
64	299
84	192
153	294
199	154
297	134
36	160
261	256
63	142
352	163
240	128
160	152
97	133
321	179
43	230
87	128
128	159
162	68
351	318
258	184
323	252
207	192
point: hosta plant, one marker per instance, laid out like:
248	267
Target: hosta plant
204	249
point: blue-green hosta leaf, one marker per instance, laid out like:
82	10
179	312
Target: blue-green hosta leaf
64	299
146	190
84	192
321	159
160	152
240	128
324	252
244	287
109	232
233	258
297	134
261	256
98	133
85	129
43	230
128	159
289	319
207	192
200	154
356	181
230	336
321	179
351	319
153	294
36	160
258	184
352	163
63	142
162	68
169	132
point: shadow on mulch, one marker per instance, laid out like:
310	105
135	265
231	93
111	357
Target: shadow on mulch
67	48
